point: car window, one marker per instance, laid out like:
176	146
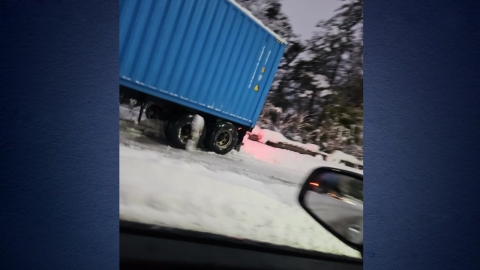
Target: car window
311	115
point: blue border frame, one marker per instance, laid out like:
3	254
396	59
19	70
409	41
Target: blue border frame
59	141
59	175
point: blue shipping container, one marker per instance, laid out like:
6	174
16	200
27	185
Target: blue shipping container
208	55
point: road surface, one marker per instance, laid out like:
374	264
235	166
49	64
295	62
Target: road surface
339	215
150	137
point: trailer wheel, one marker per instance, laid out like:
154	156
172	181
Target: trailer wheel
153	112
180	131
241	134
167	129
223	138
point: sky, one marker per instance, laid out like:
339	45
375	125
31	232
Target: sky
305	14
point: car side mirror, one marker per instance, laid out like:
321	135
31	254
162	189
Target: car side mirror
334	198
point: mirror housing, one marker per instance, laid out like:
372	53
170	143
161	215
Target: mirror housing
334	198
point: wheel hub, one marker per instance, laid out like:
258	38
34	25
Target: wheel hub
224	139
185	133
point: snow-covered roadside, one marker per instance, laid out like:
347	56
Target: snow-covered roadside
281	157
285	159
265	135
252	151
170	192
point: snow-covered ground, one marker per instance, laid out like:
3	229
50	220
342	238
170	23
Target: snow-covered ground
250	194
265	135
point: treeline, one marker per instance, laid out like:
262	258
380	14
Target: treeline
317	95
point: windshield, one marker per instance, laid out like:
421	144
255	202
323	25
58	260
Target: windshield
192	166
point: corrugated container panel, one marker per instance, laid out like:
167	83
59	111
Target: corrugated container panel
209	55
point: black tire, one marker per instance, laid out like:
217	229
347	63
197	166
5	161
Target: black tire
166	129
241	135
202	136
223	138
179	131
153	112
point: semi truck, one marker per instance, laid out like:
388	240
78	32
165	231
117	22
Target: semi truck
212	58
